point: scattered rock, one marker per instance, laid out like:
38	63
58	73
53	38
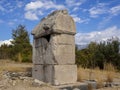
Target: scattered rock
37	82
10	79
14	83
76	89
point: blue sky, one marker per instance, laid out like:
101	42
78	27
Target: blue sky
95	20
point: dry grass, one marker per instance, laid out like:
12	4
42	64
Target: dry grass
100	76
7	65
110	72
79	74
82	74
110	76
87	74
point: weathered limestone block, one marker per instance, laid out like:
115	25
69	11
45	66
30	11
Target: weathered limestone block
55	74
65	39
39	48
43	73
60	49
64	74
38	72
49	73
64	54
64	24
57	22
38	59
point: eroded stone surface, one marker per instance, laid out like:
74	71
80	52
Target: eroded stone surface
60	49
65	54
38	72
56	22
56	74
65	74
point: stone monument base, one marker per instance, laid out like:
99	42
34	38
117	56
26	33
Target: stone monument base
73	86
78	86
55	74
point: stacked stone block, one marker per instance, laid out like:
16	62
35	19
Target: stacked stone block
54	49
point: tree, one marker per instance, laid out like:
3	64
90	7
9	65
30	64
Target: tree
97	54
82	58
5	51
22	48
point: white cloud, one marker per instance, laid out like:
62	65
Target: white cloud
97	10
34	5
36	8
104	21
31	16
102	8
79	20
71	3
74	5
2	8
40	13
9	7
50	4
97	36
115	10
75	9
8	42
11	23
42	4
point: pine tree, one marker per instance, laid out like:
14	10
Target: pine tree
22	48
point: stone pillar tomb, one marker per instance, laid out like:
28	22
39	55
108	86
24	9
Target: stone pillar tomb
54	49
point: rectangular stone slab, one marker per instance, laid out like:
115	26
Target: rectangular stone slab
38	72
63	39
43	73
59	50
39	46
65	74
64	54
37	57
57	22
56	74
59	56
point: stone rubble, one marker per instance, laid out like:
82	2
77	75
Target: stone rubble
11	79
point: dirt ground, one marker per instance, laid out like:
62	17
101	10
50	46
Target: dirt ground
18	82
8	69
23	87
